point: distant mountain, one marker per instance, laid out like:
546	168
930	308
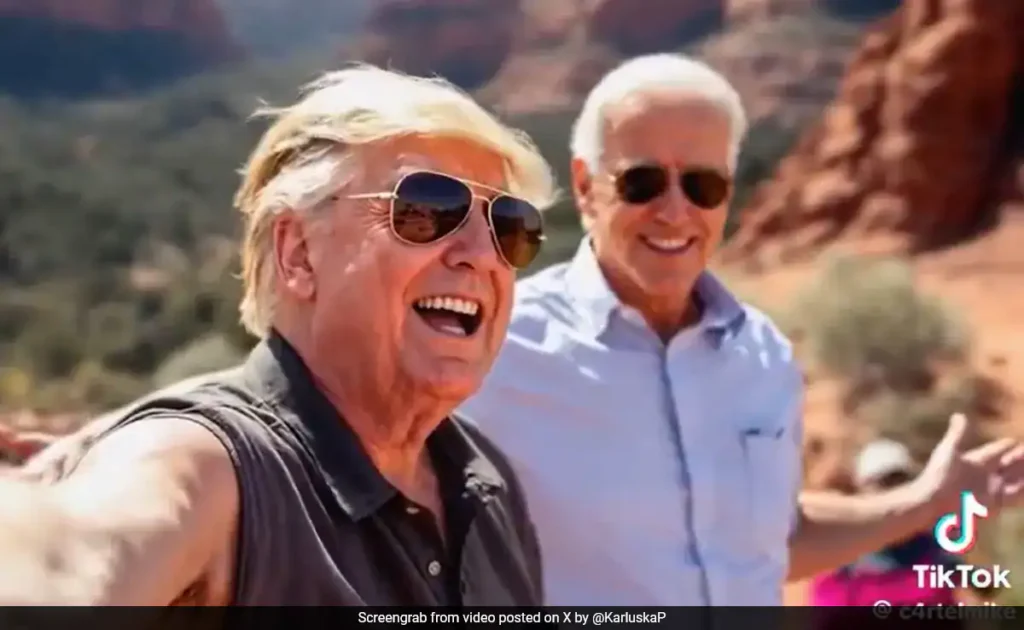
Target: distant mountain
82	48
281	27
70	48
527	55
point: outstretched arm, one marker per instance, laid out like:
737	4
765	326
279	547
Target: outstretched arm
834	529
146	514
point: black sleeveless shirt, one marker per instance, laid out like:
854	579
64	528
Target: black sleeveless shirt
320	526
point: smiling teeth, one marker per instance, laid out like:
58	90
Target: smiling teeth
454	304
676	243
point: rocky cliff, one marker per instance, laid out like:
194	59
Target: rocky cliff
469	41
785	67
278	28
464	40
72	47
525	56
922	147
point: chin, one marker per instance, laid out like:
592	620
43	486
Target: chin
445	385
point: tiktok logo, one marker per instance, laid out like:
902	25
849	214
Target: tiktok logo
965	522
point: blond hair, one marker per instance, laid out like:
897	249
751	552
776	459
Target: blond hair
304	156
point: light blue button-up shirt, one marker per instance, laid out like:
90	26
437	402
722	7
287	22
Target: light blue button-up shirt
655	475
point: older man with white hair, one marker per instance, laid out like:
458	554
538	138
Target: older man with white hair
385	218
655	419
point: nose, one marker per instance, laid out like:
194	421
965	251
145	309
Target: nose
673	207
472	246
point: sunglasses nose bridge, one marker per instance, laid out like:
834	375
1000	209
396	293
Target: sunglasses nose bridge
481	202
477	225
672	204
674	194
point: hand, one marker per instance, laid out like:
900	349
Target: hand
37	457
994	472
21	446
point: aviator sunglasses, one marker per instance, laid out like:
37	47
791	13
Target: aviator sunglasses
705	188
427	206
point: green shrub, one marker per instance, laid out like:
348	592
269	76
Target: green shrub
206	354
766	143
919	420
865	319
90	387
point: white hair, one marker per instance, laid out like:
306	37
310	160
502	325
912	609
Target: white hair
306	156
650	72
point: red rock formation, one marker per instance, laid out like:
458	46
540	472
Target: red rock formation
544	55
785	68
200	21
923	143
654	25
468	41
737	11
463	40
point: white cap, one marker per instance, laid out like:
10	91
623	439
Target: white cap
881	458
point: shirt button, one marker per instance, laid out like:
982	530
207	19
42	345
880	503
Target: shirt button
434	568
412	509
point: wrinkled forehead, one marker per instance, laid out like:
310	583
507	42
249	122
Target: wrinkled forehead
667	126
481	167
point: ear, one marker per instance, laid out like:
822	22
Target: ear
582	190
291	256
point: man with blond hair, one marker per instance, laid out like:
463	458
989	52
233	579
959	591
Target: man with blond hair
385	218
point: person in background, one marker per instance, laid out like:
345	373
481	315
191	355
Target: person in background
385	219
886	574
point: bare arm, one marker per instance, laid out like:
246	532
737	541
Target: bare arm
146	514
835	529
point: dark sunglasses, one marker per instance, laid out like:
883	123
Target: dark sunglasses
428	206
705	188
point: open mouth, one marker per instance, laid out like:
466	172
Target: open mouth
669	245
455	316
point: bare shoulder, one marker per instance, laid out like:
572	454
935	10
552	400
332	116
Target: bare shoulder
168	436
161	497
175	457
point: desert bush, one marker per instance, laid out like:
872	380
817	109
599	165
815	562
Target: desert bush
866	319
919	420
15	387
89	387
766	143
206	354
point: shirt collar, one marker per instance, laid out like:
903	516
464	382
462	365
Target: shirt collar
359	486
594	302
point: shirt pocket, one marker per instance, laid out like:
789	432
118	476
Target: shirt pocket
770	490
